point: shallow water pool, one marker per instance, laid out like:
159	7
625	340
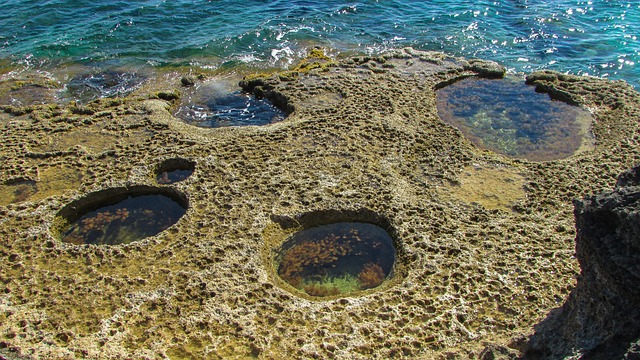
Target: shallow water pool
128	220
509	117
337	259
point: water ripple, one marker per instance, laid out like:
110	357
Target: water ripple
583	37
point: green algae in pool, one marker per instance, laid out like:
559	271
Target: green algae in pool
508	117
336	259
131	219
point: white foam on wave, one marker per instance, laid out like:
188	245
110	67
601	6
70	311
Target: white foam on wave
278	54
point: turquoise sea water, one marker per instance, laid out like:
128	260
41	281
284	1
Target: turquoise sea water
597	37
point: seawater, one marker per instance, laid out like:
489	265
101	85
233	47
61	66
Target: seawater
128	220
509	117
336	258
597	37
220	103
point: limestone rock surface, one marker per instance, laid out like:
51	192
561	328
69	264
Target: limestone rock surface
362	142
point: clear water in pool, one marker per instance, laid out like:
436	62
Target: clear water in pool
220	104
511	118
126	221
337	258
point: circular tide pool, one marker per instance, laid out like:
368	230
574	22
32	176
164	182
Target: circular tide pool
336	259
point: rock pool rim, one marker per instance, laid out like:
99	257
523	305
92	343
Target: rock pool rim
456	79
283	227
330	216
96	200
18	181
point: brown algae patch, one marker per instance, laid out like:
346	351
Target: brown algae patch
119	216
493	188
17	191
511	118
336	259
52	180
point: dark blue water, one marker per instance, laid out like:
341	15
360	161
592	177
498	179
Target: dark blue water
598	37
171	177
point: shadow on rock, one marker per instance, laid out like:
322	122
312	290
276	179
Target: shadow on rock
601	318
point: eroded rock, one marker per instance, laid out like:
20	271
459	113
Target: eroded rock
601	319
362	137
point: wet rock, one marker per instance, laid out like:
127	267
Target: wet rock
496	352
601	318
29	90
188	81
487	69
103	84
168	95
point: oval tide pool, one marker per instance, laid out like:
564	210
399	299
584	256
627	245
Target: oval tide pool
509	117
125	221
336	259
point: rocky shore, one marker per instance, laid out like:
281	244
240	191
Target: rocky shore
486	244
600	319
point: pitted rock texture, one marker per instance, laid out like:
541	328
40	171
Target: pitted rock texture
601	319
363	142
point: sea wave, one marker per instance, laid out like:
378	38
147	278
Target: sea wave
584	37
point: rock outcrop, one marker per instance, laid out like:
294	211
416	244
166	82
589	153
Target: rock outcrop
601	319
